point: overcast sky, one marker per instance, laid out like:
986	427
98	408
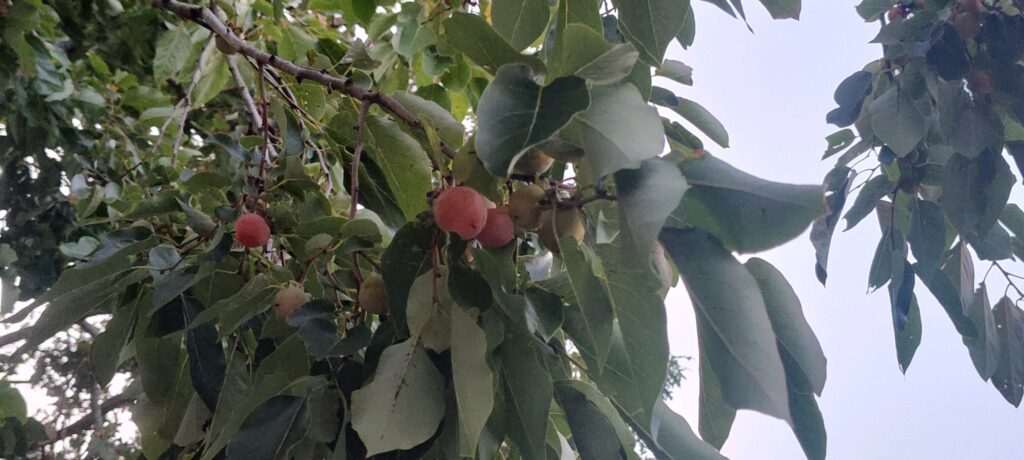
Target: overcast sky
772	89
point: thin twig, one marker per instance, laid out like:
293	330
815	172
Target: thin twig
87	421
265	128
364	110
250	104
186	100
1009	281
208	19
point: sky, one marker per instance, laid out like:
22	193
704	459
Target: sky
772	90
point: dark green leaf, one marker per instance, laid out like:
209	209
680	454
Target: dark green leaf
974	192
693	113
675	437
619	130
984	346
515	113
528	391
746	213
733	322
873	190
647	196
898	121
474	37
651	24
270	429
837	186
407	257
520	22
1009	374
402	406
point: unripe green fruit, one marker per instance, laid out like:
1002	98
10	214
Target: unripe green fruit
524	206
373	298
461	210
289	299
498	231
533	163
556	224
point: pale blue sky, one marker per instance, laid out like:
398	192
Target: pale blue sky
772	89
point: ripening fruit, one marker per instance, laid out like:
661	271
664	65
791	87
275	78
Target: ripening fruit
981	82
289	299
461	210
251	230
372	296
224	46
896	12
972	6
533	163
556	224
967	25
524	206
499	229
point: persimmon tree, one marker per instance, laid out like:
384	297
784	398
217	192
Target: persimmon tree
391	149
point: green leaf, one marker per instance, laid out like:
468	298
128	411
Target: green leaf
105	353
403	405
675	437
404	163
651	25
746	213
213	78
635	371
520	22
693	113
471	377
783	9
618	131
797	343
597	429
1009	375
808	424
984	346
429	312
948	295
64	311
898	121
407	257
474	37
874	190
588	292
909	338
12	405
450	130
676	71
716	417
585	53
733	323
270	429
870	9
647	196
515	114
837	187
528	390
927	235
975	192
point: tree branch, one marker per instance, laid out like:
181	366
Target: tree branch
14	337
208	19
88	421
250	104
364	110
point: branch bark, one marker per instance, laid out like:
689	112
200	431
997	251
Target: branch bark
208	19
87	422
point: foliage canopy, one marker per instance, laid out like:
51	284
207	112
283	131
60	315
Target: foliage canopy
136	133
